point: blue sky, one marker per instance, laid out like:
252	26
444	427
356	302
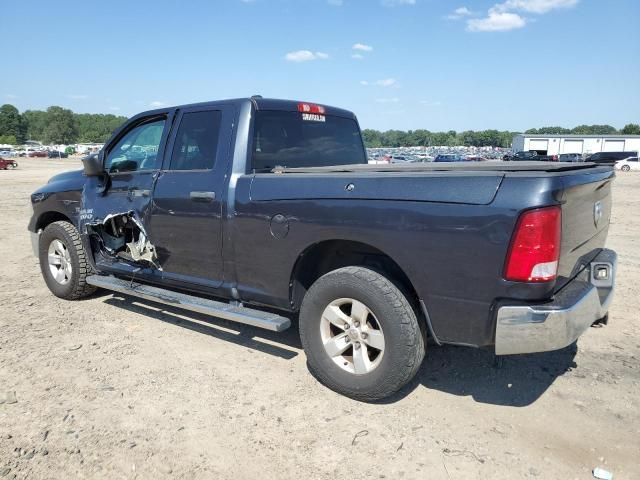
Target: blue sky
402	64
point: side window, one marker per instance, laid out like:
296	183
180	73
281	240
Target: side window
196	141
137	149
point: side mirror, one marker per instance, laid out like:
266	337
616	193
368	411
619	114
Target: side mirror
92	164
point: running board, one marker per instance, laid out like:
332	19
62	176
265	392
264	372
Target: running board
248	316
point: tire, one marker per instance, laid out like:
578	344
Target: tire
625	168
372	373
63	241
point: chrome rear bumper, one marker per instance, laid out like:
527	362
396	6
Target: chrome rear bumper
556	324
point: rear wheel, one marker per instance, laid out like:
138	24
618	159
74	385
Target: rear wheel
360	334
63	261
625	168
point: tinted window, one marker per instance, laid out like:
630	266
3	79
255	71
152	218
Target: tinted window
137	149
633	159
285	139
196	141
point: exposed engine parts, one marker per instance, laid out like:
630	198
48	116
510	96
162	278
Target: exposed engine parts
122	235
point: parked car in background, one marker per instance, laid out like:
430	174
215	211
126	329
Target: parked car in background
449	157
628	164
610	157
5	164
56	154
37	153
570	157
7	152
530	155
474	158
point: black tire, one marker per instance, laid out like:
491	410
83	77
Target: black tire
404	340
76	287
625	168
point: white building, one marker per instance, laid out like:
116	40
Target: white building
585	144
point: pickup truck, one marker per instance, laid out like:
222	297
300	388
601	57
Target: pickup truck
264	211
530	155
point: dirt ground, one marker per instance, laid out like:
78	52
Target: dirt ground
114	387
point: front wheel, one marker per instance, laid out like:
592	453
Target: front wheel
63	261
625	168
360	334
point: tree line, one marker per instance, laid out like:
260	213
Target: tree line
482	138
59	125
56	125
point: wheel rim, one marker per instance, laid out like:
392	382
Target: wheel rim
59	262
625	168
352	336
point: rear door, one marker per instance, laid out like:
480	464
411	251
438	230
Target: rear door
186	216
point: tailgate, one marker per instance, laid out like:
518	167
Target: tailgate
586	211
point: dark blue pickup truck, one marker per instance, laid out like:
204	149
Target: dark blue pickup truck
260	211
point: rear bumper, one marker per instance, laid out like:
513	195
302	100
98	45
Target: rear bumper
556	324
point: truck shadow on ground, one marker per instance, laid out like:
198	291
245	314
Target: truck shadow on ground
244	335
519	381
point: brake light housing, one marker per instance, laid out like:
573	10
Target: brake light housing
311	108
534	251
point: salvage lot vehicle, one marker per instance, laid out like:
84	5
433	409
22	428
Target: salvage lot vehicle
6	164
628	164
254	210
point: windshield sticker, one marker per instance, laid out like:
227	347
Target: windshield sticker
313	117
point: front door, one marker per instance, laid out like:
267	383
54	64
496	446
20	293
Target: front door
186	215
132	162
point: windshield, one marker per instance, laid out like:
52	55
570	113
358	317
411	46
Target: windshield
289	139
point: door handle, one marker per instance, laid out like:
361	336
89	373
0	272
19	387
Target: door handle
203	196
137	192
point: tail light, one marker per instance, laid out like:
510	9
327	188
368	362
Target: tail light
535	246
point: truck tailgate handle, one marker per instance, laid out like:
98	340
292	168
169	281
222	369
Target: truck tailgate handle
203	196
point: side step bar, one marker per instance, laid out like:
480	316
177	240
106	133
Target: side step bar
248	316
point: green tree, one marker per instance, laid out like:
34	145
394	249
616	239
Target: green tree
36	121
8	140
11	123
61	126
631	129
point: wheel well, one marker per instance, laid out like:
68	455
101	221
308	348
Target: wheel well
327	256
48	218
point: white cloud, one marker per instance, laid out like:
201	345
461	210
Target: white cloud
429	103
533	6
397	3
386	82
362	47
11	96
496	22
77	97
305	56
459	13
157	104
502	17
357	56
388	100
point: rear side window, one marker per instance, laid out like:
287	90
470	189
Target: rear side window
196	141
284	139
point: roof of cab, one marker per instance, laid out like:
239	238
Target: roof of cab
259	104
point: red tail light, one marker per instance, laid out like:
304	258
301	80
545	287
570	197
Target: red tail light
535	247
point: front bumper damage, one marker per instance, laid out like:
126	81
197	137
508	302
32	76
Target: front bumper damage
558	323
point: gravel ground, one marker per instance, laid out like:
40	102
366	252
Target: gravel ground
113	387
